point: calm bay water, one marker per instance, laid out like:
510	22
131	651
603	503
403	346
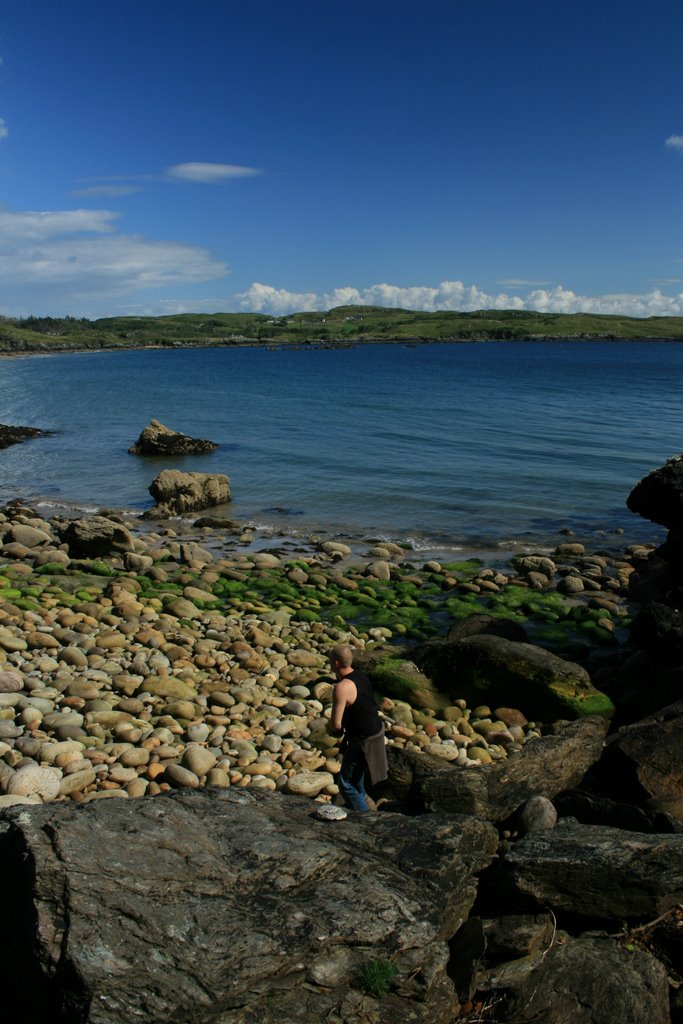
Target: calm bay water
446	445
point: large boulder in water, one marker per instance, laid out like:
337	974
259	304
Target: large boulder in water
493	670
157	439
177	493
209	906
659	495
657	582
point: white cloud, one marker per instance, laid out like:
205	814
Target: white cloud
4	132
42	224
454	295
675	142
60	256
263	297
108	191
209	174
520	282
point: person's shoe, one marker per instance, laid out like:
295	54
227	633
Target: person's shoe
372	806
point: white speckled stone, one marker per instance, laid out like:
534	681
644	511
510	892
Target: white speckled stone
330	812
33	780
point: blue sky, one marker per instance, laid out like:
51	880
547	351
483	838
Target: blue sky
159	156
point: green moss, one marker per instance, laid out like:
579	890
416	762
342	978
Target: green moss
391	679
27	605
468	568
594	703
97	567
462	606
304	615
50	569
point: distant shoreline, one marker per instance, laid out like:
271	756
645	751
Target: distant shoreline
343	326
314	344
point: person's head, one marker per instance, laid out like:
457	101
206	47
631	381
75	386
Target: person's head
341	658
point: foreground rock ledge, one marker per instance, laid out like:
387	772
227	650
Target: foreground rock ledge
234	908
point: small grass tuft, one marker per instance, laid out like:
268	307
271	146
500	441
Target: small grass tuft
377	977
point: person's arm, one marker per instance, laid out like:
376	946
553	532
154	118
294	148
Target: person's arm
344	693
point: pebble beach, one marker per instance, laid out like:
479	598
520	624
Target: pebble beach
185	657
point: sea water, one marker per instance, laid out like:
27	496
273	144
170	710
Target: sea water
438	446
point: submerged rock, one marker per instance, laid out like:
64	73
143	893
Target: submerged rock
13	435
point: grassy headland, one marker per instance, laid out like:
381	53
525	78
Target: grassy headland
342	325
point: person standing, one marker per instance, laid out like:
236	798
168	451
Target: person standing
355	713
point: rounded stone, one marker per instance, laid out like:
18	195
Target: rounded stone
309	783
217	777
10	682
480	755
10	731
76	781
299	692
536	814
294	707
181	777
133	757
119	773
50	751
330	812
198	733
305	659
35	781
198	760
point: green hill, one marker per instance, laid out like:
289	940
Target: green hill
342	325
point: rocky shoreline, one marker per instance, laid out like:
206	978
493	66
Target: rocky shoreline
135	663
174	661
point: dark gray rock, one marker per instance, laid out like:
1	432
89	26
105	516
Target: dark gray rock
642	685
587	981
659	496
96	537
157	439
545	767
13	435
537	813
217	906
494	670
658	628
595	809
593	872
491	625
645	759
517	935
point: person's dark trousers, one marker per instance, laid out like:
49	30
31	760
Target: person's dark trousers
352	777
